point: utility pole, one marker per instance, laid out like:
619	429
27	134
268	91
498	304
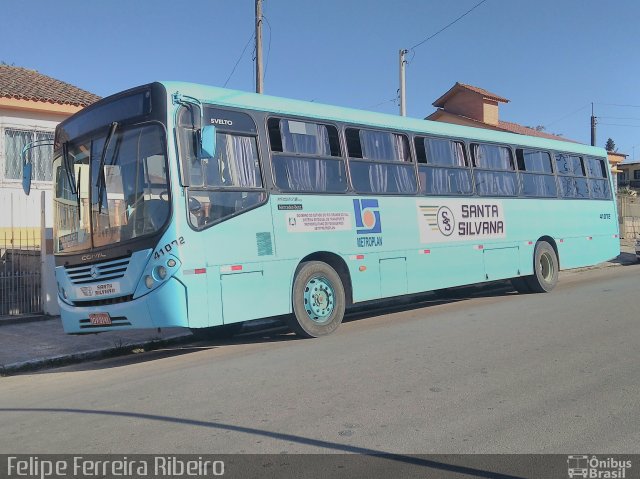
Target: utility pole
403	98
259	78
593	127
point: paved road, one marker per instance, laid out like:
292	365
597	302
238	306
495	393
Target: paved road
515	373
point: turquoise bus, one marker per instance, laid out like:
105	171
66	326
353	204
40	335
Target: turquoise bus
193	206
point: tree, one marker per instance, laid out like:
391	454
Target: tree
611	145
542	129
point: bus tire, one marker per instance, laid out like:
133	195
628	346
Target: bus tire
521	285
318	299
226	331
545	269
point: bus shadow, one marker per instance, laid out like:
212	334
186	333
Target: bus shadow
430	299
625	259
275	329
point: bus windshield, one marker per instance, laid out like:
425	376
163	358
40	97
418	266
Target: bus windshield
110	194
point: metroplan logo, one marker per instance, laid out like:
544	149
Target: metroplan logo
368	224
367	216
597	468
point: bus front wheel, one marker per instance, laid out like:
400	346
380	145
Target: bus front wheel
545	269
318	300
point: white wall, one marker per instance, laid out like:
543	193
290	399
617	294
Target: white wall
16	209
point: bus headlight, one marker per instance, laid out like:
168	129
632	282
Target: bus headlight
148	281
161	272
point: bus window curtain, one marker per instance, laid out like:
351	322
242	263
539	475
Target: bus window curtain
237	164
444	152
304	174
492	157
307	138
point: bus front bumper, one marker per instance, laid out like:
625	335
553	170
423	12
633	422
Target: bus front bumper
164	307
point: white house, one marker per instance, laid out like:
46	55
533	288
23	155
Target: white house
31	105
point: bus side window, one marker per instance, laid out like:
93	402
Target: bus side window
443	167
571	176
380	162
306	156
598	182
536	170
494	170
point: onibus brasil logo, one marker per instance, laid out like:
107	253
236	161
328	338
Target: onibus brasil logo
596	468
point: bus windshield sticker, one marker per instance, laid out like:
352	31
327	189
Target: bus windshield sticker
453	220
318	221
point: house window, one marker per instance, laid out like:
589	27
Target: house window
14	141
636	175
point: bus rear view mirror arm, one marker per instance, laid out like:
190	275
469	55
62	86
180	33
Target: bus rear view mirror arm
27	165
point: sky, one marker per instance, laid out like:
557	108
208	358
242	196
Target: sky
550	58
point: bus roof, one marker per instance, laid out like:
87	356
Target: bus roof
286	106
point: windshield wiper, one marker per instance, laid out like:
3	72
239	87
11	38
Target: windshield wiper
78	192
101	182
68	168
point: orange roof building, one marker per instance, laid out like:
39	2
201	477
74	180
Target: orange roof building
472	106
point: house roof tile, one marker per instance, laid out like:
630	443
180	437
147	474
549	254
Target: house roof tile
24	84
439	103
525	130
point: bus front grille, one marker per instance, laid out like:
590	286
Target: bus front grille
97	272
102	302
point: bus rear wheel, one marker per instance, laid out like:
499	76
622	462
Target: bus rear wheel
545	269
318	300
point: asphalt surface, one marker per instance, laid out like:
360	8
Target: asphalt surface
511	373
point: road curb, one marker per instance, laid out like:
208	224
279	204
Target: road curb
91	355
28	318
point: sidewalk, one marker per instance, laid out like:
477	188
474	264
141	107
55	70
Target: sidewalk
37	342
40	343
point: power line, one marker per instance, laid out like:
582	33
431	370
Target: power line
567	115
239	58
266	66
448	25
619	118
395	99
618	104
619	124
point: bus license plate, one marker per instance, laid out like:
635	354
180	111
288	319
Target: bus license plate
100	319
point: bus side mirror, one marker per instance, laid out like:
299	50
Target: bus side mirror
27	168
208	141
26	177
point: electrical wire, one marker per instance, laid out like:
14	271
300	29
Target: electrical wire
266	66
619	118
393	100
567	115
618	124
239	58
448	25
618	104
